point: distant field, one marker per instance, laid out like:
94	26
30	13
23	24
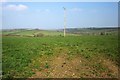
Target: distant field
53	56
34	32
69	32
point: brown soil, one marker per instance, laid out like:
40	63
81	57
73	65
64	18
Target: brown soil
65	66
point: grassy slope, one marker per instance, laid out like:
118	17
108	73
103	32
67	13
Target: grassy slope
32	32
19	53
12	31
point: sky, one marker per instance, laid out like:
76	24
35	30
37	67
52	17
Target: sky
50	15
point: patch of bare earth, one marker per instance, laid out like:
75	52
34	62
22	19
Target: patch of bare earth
64	66
113	68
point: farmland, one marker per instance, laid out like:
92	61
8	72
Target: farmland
51	55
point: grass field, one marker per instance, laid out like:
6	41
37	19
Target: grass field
25	32
85	56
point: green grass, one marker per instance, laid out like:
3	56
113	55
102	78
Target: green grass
12	31
32	32
19	52
28	32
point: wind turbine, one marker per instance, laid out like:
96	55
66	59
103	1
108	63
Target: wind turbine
64	20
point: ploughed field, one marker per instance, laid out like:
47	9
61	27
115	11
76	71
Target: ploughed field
60	57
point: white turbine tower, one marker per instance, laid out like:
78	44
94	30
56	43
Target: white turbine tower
64	20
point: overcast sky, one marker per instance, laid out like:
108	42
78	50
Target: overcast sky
50	15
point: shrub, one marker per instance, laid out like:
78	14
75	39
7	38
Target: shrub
38	35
